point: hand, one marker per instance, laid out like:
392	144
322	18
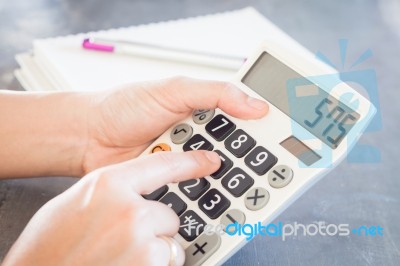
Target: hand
103	220
123	122
73	133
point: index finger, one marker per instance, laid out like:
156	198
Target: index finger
148	173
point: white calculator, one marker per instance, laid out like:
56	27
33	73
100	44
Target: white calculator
266	164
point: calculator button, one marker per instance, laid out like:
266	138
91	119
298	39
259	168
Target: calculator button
280	176
232	217
174	202
220	127
213	203
198	142
203	116
160	147
239	143
194	188
237	182
156	194
260	160
201	249
191	225
256	198
226	164
181	133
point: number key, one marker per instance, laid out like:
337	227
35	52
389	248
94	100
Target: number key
174	202
260	160
157	194
226	164
194	188
237	182
191	225
220	127
213	203
239	143
198	142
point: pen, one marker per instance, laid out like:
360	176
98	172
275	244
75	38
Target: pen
164	53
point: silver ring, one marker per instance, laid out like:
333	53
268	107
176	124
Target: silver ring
173	250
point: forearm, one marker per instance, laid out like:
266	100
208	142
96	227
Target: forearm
42	134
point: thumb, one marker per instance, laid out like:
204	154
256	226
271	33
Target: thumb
189	94
149	173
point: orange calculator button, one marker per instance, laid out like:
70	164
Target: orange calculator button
160	147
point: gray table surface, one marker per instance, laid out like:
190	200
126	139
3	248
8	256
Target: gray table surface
357	194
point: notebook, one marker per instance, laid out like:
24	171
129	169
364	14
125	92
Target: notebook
62	64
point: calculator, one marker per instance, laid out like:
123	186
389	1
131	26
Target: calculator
314	120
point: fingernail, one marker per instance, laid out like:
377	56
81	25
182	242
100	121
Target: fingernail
213	157
256	104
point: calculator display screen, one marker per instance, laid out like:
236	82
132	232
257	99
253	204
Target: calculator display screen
313	108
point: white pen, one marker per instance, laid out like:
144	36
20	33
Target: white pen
164	53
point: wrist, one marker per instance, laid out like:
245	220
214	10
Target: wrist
43	134
99	149
76	138
65	139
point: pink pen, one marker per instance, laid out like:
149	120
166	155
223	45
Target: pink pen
164	53
87	44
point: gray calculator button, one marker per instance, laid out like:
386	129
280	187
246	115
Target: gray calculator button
201	249
231	217
203	116
280	176
181	133
256	198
